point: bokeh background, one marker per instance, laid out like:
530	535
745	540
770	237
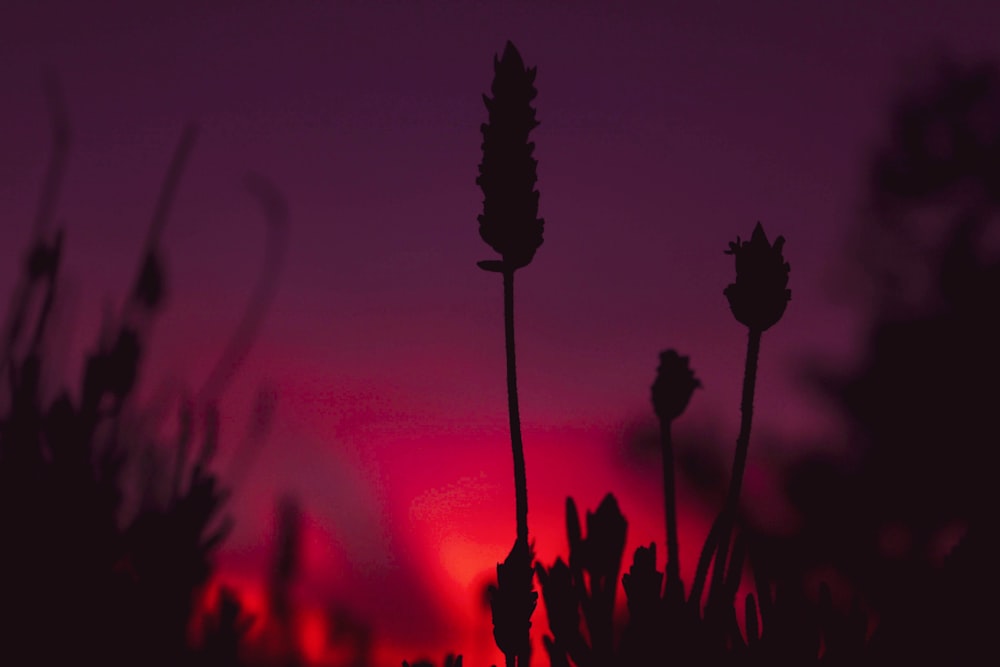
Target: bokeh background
667	129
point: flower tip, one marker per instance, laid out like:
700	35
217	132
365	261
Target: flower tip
512	55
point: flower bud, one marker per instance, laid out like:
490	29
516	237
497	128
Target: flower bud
602	548
675	383
760	294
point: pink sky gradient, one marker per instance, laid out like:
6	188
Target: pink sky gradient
666	130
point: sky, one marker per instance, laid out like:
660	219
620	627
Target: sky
667	129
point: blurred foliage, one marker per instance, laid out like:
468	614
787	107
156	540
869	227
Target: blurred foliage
109	527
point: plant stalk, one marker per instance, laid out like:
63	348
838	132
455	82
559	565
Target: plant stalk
670	503
520	477
740	460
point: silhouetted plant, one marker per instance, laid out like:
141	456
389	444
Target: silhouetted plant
645	636
512	601
757	299
224	631
509	222
68	567
588	585
510	225
672	390
92	572
662	625
43	257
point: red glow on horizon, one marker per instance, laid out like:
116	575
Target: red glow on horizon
458	523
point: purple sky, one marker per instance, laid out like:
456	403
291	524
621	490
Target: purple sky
666	130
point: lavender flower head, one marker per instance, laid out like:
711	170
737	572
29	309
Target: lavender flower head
760	294
509	222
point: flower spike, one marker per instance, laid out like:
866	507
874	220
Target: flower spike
509	222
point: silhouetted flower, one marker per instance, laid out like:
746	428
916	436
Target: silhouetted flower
561	601
512	601
644	640
675	383
642	583
600	552
510	222
510	225
760	294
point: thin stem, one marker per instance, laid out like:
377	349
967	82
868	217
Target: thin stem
47	198
520	477
276	216
740	461
670	502
704	560
168	189
746	418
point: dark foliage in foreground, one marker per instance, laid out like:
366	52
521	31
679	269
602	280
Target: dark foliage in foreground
108	527
88	571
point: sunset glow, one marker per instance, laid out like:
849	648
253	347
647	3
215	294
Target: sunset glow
377	375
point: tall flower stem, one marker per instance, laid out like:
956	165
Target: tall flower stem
510	225
740	460
670	504
516	444
671	392
746	418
